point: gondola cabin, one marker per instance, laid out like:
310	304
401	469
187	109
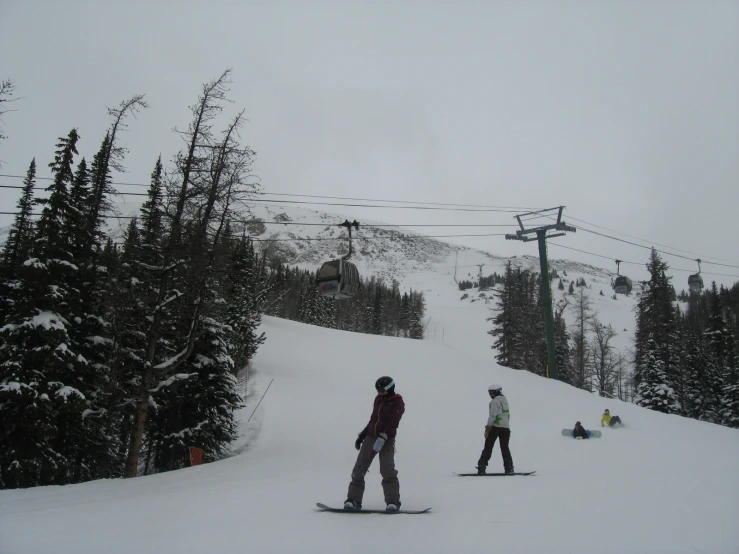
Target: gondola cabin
622	285
338	279
695	282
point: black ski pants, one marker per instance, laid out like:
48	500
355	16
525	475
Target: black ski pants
505	436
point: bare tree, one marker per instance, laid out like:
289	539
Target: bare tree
111	157
209	176
604	359
7	89
582	309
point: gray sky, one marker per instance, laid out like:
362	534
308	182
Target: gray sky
625	112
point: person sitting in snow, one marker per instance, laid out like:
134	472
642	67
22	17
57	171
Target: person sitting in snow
608	419
579	432
378	437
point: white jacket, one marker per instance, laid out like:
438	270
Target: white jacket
499	413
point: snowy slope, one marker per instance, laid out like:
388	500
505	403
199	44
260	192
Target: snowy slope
662	484
429	264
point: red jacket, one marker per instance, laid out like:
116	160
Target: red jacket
386	414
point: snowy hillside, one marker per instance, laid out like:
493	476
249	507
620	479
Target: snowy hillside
429	264
662	484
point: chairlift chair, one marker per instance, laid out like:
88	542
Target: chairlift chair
622	284
695	281
339	279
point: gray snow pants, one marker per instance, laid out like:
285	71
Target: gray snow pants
390	483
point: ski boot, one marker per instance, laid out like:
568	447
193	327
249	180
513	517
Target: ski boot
392	507
480	470
352	505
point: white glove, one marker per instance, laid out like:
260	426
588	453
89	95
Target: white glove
379	442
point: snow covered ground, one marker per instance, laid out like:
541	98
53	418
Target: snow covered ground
663	484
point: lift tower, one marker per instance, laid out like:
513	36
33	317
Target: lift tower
546	292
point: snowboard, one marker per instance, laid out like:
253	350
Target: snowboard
592	434
325	508
494	474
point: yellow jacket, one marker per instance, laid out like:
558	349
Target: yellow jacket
605	420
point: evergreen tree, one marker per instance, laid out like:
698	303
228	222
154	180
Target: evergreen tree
699	403
40	371
721	366
79	203
196	407
652	391
20	234
504	330
405	315
18	244
246	294
656	322
378	313
417	329
310	304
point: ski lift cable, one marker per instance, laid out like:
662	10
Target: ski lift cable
386	207
650	248
549	242
256	221
648	241
506	208
513	208
423	207
586	230
323	239
590	253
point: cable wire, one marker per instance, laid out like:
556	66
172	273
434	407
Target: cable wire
549	242
417	206
651	242
506	208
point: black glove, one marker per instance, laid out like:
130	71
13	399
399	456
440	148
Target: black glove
359	441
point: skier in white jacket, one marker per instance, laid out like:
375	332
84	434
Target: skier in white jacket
498	426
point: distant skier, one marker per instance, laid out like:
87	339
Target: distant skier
378	437
579	432
498	425
611	421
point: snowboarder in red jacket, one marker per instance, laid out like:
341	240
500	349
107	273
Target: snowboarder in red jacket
378	437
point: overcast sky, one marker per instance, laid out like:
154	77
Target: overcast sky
625	112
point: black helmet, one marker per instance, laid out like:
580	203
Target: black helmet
385	384
607	411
